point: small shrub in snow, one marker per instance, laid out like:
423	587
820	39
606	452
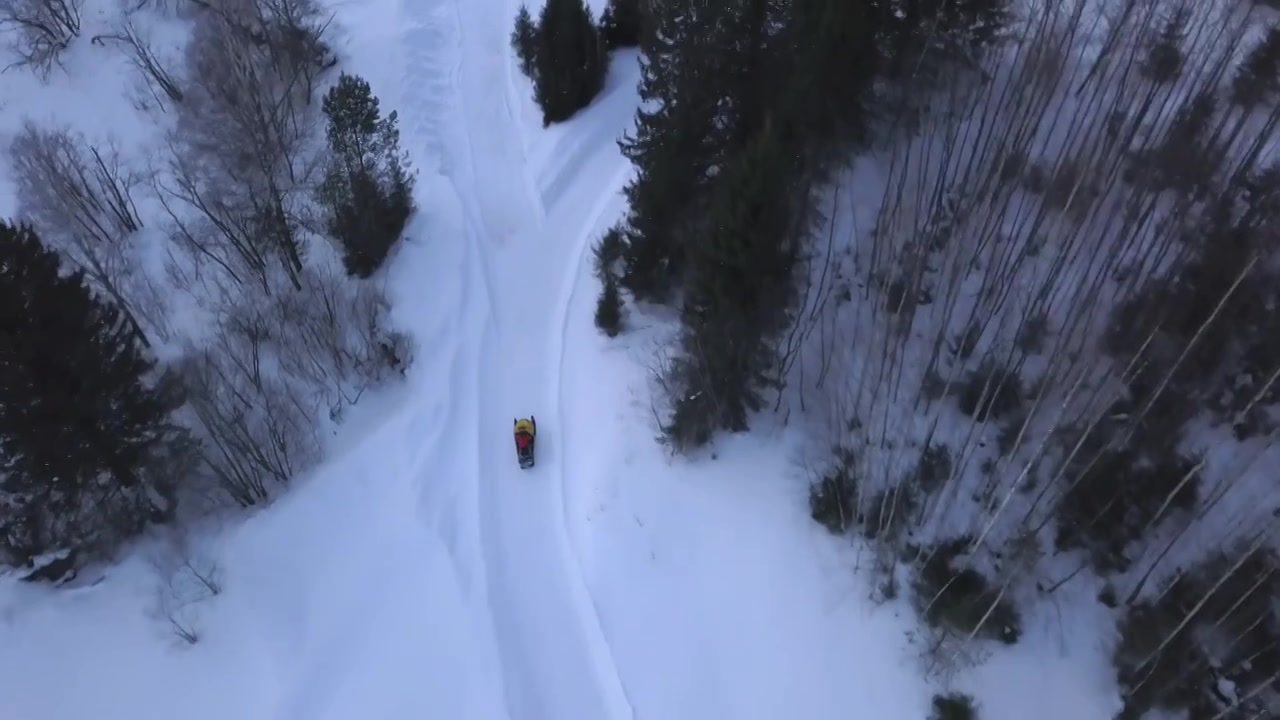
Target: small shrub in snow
958	598
934	468
1032	334
1165	55
953	706
833	500
1010	429
990	391
189	578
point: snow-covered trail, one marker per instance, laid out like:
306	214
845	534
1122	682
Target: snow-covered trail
524	229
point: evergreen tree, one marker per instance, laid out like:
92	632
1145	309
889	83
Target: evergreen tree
739	294
88	453
675	147
571	62
833	66
367	189
524	41
621	24
609	307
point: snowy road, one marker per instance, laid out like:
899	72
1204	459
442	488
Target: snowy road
524	230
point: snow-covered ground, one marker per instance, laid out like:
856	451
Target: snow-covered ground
419	572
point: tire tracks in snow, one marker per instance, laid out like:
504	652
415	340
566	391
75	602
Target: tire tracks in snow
434	47
432	62
608	666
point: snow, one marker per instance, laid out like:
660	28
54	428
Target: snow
419	572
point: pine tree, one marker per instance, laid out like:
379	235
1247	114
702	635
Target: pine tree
524	41
739	293
571	60
89	454
621	24
675	146
367	189
833	66
609	307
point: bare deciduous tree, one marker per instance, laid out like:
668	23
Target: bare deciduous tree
161	83
81	198
40	30
242	152
334	334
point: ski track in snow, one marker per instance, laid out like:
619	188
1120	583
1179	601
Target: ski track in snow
509	340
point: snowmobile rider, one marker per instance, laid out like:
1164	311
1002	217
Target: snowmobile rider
525	432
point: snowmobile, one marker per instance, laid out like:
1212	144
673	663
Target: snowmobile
526	431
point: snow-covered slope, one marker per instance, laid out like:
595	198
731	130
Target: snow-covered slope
420	573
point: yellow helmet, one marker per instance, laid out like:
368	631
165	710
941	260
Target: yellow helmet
524	425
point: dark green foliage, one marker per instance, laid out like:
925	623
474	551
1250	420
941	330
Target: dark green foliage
524	41
1185	159
919	40
570	61
1114	492
673	148
1215	621
834	65
953	706
621	24
954	596
1031	335
609	308
738	296
934	468
990	392
1219	357
1151	677
367	191
607	254
90	456
1165	56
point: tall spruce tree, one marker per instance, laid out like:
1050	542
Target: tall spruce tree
832	69
367	190
676	144
571	60
88	453
524	41
739	294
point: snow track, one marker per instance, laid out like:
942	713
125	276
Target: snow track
507	350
